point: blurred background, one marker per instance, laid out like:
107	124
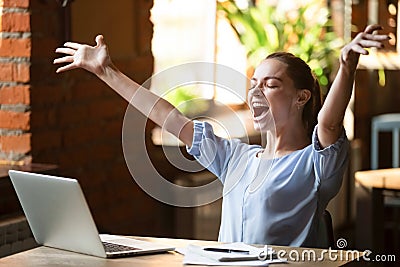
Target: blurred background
70	124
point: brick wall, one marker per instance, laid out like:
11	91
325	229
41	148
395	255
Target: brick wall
15	51
73	119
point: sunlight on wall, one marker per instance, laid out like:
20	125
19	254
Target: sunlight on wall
189	31
230	52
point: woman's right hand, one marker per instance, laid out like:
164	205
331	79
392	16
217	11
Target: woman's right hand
91	58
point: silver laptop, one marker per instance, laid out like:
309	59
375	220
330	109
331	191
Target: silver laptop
59	217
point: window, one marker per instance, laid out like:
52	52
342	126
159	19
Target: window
191	31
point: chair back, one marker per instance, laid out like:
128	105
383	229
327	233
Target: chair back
325	231
385	123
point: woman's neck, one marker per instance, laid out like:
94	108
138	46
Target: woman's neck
285	141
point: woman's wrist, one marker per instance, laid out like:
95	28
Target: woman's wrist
348	68
105	72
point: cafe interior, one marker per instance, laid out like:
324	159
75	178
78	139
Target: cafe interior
73	125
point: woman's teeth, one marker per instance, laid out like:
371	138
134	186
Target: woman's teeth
259	109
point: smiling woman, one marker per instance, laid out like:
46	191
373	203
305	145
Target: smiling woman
266	200
306	85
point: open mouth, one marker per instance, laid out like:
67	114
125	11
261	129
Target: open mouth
259	110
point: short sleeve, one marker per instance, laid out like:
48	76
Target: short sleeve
210	151
330	164
330	159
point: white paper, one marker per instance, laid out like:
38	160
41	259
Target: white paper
196	255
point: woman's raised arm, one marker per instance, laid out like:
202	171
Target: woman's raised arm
330	118
96	59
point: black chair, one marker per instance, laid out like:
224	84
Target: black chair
325	231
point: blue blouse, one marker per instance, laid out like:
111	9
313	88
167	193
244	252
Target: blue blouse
271	201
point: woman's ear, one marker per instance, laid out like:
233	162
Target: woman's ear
303	96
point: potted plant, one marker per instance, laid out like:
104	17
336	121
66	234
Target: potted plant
305	30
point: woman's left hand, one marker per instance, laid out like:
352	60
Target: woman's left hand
366	39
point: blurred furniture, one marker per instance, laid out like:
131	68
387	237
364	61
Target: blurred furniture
373	187
382	179
391	198
200	222
385	123
327	231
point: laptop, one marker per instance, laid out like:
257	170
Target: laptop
59	217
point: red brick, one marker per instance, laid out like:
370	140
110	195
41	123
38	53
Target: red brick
14	120
15	47
16	143
15	95
15	22
17	72
6	71
15	3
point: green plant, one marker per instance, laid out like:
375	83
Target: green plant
306	32
187	100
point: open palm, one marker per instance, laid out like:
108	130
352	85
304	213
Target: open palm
91	58
359	45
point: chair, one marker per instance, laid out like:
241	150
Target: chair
325	231
388	123
385	123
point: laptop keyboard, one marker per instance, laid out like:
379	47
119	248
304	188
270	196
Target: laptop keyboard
111	247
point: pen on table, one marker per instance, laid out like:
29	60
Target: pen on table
227	250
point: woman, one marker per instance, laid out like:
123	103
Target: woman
273	195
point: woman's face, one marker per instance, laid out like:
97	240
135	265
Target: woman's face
272	97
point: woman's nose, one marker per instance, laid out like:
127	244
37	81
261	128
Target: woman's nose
255	90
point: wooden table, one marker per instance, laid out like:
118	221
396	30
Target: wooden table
49	257
383	178
32	167
372	188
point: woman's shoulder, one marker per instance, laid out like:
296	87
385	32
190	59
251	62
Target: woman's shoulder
342	143
204	135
